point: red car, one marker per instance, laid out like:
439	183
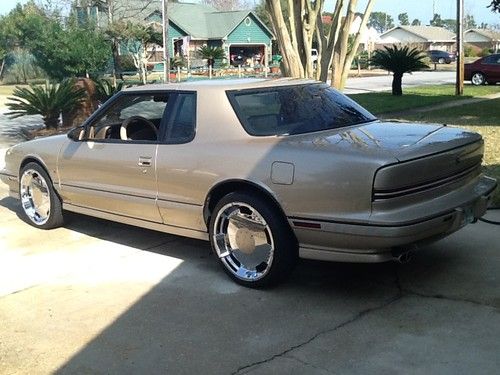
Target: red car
484	70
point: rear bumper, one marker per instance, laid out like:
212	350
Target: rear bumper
375	242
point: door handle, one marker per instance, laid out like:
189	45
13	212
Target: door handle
144	161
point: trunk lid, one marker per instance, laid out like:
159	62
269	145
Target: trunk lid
407	141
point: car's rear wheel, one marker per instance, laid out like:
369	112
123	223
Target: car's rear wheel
478	79
41	205
253	243
441	60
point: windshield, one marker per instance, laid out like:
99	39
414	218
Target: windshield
289	110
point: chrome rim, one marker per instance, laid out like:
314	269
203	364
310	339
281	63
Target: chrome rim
35	197
477	79
243	241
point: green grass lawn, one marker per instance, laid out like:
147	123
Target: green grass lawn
7	89
483	118
421	96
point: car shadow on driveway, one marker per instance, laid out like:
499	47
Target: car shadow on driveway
197	320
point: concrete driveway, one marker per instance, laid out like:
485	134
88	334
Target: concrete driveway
97	297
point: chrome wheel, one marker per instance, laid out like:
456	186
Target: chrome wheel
477	79
35	196
243	241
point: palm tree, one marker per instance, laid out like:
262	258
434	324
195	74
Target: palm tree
211	54
105	89
49	101
399	61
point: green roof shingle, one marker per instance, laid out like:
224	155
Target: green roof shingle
197	20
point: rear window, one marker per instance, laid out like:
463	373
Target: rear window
297	109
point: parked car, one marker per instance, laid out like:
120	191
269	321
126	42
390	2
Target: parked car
267	170
484	70
441	57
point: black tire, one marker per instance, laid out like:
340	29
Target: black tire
54	217
277	232
441	60
478	79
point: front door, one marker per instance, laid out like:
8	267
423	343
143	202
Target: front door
113	169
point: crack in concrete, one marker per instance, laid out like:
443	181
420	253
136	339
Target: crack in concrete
402	292
409	292
406	292
356	317
308	364
20	290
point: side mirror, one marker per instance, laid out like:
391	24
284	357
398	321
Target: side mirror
76	134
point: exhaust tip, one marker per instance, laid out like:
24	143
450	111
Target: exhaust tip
405	257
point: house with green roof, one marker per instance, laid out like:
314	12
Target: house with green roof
243	36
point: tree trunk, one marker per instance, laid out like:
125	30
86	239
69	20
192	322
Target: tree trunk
51	121
286	40
1	68
115	68
143	74
397	82
355	45
295	34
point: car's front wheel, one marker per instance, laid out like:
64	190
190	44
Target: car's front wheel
478	79
252	241
41	205
441	60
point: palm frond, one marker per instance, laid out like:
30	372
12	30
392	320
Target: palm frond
105	89
211	53
399	60
48	100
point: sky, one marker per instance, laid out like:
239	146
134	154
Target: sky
421	9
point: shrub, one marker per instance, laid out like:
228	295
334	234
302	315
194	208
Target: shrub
105	89
49	100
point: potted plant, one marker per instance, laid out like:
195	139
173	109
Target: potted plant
274	68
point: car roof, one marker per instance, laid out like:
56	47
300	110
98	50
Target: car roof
221	84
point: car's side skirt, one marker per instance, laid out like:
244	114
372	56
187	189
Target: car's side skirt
179	231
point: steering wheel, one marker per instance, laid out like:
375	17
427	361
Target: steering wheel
132	119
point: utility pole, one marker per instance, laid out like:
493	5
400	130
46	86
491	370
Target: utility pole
166	57
459	87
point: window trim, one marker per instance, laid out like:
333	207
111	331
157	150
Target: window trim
97	115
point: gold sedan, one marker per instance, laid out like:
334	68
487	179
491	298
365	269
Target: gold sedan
267	171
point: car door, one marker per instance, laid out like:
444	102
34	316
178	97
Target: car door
179	174
495	68
490	67
113	169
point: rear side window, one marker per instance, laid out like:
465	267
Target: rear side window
492	59
297	109
182	124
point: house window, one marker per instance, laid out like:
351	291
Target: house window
248	21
